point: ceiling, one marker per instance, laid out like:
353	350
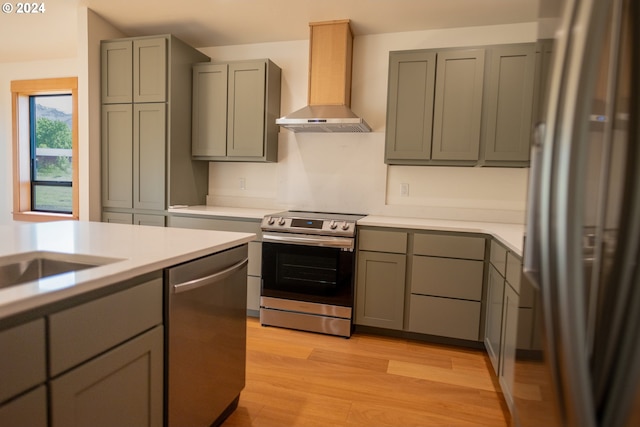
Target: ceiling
206	23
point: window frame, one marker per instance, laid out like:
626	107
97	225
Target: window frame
21	90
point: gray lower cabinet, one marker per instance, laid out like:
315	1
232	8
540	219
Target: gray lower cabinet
493	316
23	400
97	363
243	225
106	360
508	317
381	277
235	105
122	387
145	127
422	282
28	410
447	277
381	284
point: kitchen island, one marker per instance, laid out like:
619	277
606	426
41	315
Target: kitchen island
90	346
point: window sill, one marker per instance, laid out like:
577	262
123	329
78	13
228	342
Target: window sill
41	216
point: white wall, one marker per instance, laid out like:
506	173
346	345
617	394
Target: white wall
346	172
91	29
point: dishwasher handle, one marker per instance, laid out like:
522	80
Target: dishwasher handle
210	279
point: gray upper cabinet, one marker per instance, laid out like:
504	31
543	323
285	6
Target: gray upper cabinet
458	105
117	72
509	103
209	134
235	105
434	106
150	70
146	127
463	106
410	105
134	71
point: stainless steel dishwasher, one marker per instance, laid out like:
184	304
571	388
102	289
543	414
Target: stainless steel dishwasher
205	317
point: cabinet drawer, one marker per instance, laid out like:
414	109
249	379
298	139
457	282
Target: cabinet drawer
498	257
445	317
449	246
446	277
382	241
22	358
87	330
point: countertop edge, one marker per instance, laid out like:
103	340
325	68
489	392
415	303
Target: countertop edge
509	235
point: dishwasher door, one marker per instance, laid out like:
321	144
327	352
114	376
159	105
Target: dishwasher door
206	338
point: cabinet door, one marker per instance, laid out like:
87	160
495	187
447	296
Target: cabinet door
149	144
458	105
22	358
508	110
122	387
150	70
493	317
410	105
117	156
380	289
209	121
509	340
117	72
246	109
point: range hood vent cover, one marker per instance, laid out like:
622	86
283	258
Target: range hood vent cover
330	52
324	118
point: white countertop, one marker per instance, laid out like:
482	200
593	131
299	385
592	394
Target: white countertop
251	213
510	235
138	250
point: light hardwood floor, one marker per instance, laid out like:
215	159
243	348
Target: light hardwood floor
304	379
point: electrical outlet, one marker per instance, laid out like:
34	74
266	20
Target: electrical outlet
404	189
243	184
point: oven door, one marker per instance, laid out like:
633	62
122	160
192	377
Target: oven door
308	268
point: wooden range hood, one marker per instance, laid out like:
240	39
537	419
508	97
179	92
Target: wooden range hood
329	91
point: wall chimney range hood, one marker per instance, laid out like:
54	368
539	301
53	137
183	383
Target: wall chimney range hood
329	97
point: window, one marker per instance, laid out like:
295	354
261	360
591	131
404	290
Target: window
45	147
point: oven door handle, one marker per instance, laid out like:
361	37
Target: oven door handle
344	243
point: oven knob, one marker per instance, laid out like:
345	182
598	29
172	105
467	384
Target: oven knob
270	220
345	225
281	221
333	224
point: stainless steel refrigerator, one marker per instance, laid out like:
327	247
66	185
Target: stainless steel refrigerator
582	243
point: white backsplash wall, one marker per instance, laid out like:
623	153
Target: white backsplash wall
346	172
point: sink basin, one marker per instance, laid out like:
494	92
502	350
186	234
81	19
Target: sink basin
26	267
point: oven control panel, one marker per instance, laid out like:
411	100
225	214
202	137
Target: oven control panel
308	225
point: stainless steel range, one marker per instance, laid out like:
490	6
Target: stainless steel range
308	264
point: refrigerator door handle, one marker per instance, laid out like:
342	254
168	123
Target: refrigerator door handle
531	262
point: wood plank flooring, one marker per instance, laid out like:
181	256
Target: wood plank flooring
304	379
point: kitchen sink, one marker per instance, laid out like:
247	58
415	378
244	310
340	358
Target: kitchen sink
26	267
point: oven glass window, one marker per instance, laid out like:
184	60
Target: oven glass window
307	273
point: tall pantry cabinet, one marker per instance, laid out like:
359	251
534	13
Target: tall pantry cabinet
146	129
